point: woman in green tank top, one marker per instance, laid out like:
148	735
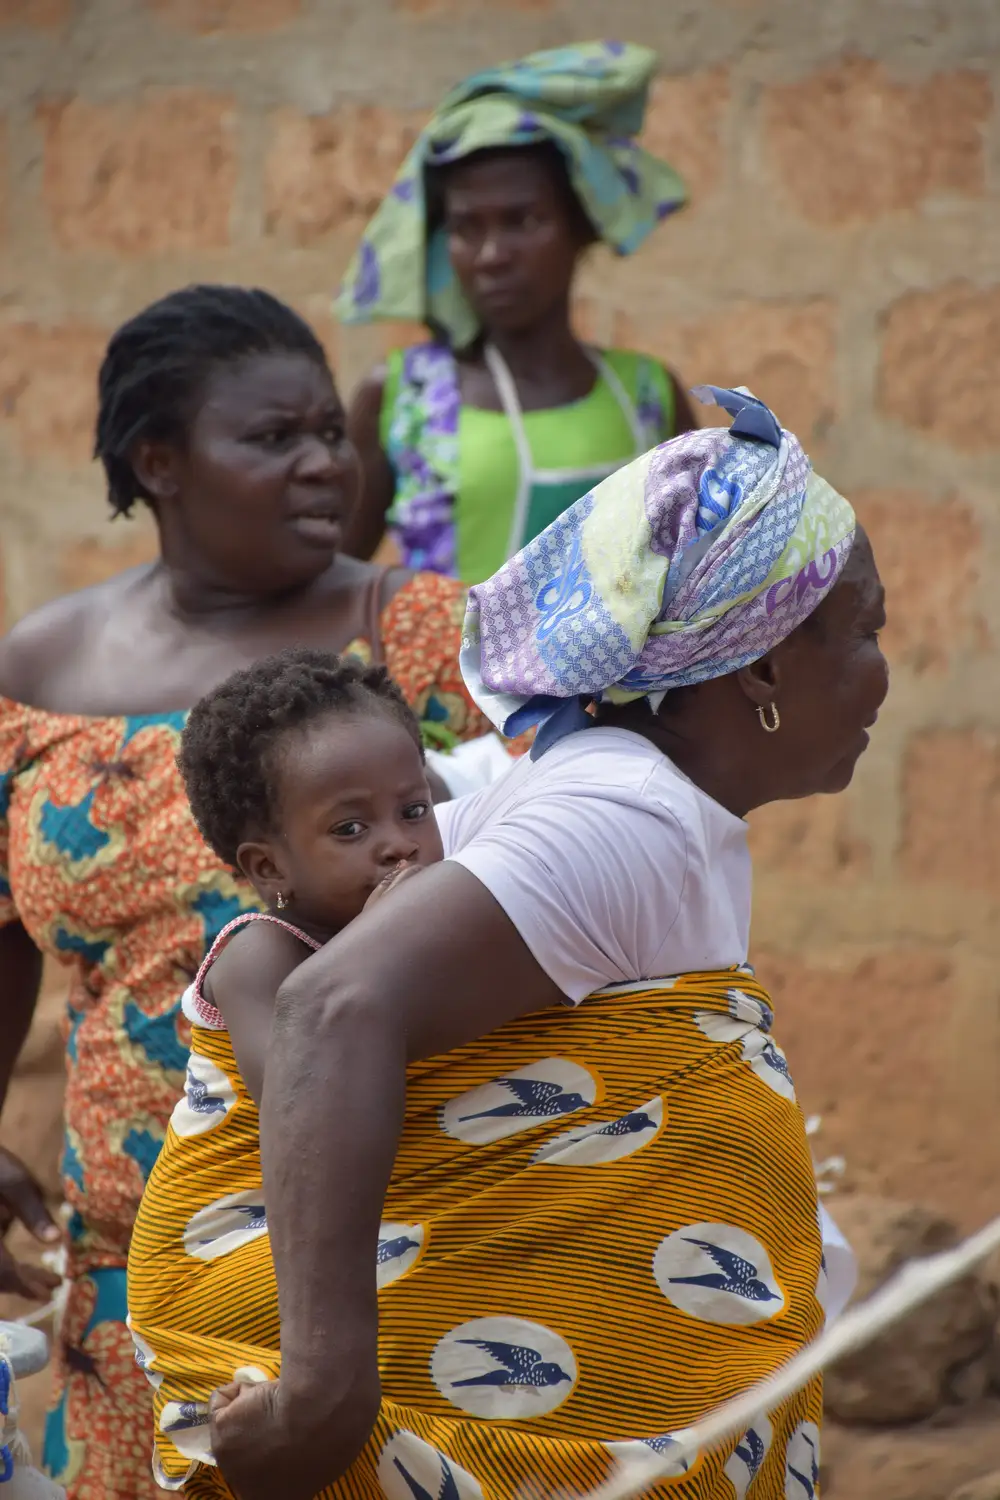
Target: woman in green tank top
474	442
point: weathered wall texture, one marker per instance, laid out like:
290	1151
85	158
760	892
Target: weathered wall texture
842	257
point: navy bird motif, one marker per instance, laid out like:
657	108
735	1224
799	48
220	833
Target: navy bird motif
773	1058
447	1491
664	1445
392	1250
632	1124
522	1367
189	1414
750	1450
808	1483
199	1099
734	1275
532	1096
256	1218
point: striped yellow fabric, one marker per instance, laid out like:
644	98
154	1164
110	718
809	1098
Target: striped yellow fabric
602	1222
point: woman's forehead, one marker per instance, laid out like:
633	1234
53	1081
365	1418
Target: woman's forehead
859	592
508	175
277	380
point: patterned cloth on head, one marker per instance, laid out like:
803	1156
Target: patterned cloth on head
590	101
687	564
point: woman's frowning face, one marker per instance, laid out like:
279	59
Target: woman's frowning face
267	479
514	236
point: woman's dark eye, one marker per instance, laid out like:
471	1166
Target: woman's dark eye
272	438
334	436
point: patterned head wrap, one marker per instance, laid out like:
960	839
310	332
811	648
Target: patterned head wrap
685	565
589	100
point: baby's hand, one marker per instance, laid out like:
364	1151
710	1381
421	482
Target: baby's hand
395	877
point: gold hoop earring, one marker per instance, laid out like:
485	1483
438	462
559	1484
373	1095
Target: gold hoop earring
281	901
775	724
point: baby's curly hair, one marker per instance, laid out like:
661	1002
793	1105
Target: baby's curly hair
228	753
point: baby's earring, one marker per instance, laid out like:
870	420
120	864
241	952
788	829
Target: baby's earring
281	901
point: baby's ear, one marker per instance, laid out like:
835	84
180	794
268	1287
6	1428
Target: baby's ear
260	863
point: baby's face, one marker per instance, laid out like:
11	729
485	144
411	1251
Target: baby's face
354	804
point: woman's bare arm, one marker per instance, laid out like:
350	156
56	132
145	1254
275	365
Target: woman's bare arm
378	484
428	970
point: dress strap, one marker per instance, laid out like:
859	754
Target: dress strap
628	407
372	614
207	1014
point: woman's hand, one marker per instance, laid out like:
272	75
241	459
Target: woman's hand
266	1445
253	1453
21	1199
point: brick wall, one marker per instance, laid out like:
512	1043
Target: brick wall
841	258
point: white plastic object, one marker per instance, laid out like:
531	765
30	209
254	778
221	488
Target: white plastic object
23	1351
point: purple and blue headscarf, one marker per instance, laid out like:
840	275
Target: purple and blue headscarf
689	563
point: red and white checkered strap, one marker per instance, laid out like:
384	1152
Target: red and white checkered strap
207	1014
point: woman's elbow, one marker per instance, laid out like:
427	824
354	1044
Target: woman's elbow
322	1010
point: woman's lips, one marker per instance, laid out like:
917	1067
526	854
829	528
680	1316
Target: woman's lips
318	528
498	296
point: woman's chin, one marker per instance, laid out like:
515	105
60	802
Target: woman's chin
841	774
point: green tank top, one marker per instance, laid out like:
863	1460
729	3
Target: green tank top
571	448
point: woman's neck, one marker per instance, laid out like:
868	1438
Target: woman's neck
700	743
545	350
195	594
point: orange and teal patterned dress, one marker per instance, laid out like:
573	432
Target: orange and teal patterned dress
102	863
602	1222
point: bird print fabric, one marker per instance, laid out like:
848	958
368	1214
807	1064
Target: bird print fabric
602	1222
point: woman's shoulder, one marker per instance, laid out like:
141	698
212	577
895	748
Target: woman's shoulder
53	638
610	772
39	643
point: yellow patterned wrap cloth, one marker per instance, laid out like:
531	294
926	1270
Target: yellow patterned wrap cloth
602	1222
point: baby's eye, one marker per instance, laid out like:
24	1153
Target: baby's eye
415	810
349	830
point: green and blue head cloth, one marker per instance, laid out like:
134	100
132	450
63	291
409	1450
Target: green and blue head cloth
691	562
590	101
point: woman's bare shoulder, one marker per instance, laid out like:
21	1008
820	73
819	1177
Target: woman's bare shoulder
56	634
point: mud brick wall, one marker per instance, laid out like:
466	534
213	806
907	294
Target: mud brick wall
841	257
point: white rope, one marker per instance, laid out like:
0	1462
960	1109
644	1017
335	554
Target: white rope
912	1285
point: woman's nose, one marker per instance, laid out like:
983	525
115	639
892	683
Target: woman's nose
316	458
491	250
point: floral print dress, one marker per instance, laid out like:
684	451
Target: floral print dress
101	861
